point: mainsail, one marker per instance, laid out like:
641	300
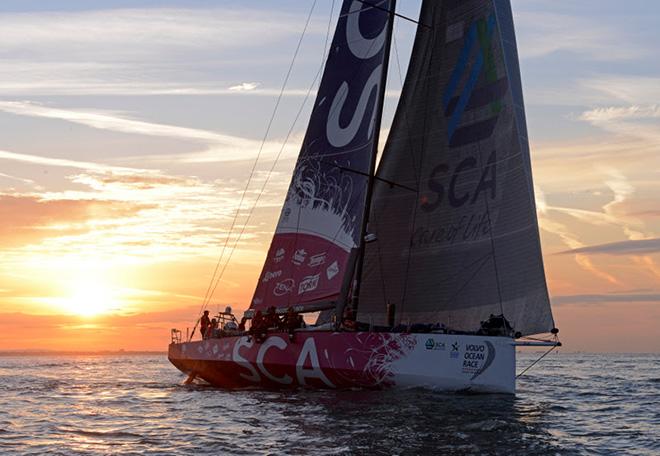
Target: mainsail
311	258
458	239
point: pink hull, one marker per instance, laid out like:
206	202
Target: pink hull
352	360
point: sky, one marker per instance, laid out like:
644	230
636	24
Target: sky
129	130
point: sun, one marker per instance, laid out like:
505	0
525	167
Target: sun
89	298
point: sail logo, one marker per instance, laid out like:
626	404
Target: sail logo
478	43
308	284
364	49
299	257
464	174
317	260
271	275
279	255
283	287
332	270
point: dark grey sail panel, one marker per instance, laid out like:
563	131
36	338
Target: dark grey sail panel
465	244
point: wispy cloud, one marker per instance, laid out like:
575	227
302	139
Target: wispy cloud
635	90
606	298
542	33
18	179
217	147
618	113
631	247
65	163
636	121
30	219
143	51
244	87
113	122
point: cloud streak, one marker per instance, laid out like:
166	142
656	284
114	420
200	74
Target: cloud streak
65	163
541	33
218	147
630	247
106	121
144	51
605	298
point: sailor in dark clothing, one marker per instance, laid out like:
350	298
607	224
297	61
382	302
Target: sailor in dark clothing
258	327
241	325
496	325
348	320
204	324
291	322
271	319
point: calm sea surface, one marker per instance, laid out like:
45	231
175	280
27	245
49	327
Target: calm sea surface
567	404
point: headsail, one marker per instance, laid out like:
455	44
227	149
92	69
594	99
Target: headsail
319	226
465	244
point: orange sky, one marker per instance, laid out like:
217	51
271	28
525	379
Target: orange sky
123	159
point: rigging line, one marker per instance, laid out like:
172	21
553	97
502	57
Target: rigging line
268	175
406	18
379	254
265	137
405	114
361	173
378	109
207	297
492	239
539	359
482	262
428	54
332	111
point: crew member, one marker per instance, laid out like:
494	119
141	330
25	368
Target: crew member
271	320
204	323
258	327
291	322
212	330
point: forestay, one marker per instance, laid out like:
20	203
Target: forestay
319	226
462	241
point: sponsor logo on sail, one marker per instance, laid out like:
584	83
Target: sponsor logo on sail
299	257
332	270
279	255
271	275
454	350
283	287
309	283
317	260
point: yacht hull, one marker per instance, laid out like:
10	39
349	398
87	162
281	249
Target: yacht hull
371	360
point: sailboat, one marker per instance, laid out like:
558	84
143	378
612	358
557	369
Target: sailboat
427	271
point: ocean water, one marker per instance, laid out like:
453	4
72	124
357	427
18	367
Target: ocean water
568	404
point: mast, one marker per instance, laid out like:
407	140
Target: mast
374	154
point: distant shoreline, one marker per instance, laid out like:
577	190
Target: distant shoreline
7	353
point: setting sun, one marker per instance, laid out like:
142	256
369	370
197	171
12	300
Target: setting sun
90	298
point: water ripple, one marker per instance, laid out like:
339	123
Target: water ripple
567	405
